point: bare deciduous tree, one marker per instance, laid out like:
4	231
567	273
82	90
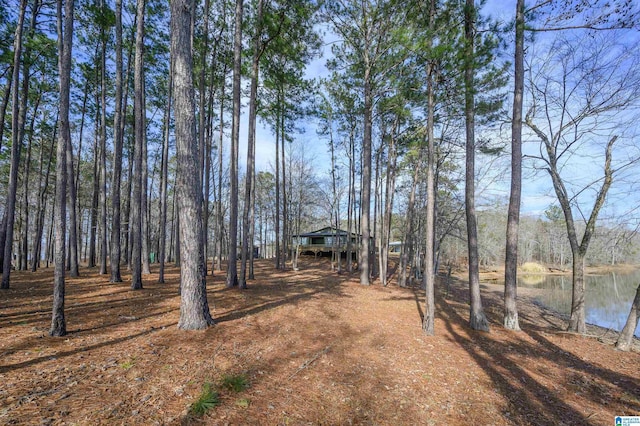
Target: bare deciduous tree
584	95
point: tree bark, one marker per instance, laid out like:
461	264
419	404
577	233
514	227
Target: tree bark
194	309
513	215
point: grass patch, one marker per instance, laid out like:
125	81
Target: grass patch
236	383
533	268
128	364
207	400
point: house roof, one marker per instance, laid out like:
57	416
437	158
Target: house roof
327	231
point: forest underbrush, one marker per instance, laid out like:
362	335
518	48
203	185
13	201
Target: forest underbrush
308	347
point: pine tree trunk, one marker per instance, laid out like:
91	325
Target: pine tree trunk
164	177
6	238
144	205
513	218
194	309
363	261
58	323
428	324
276	219
232	267
5	101
202	125
285	216
74	270
25	193
477	318
43	183
118	140
136	199
103	156
247	244
94	202
219	218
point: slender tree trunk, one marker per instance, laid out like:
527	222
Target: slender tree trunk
276	219
363	262
335	208
41	205
136	199
477	318
5	102
103	155
252	222
194	309
429	278
128	240
50	242
164	177
58	323
202	124
390	185
351	200
513	217
25	193
219	218
285	216
74	268
144	205
406	256
94	203
127	243
377	202
248	192
626	335
232	267
6	238
116	181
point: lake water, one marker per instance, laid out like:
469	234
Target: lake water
608	297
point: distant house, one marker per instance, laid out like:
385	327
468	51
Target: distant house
324	240
395	246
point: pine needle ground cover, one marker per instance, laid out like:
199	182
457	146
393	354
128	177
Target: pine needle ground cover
299	347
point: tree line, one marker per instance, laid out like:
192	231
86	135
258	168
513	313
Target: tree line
141	102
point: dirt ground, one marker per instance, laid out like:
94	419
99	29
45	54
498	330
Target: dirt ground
316	348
